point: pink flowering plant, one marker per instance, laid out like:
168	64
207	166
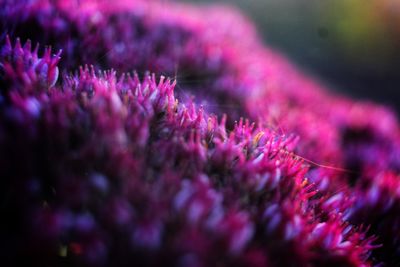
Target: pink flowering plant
237	159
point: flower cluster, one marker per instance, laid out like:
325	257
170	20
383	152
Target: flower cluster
114	168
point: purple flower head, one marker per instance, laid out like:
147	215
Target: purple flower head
23	68
124	167
105	195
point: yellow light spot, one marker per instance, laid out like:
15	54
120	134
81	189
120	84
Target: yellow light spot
305	182
63	251
257	138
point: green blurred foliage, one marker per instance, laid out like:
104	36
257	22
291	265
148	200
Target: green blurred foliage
359	31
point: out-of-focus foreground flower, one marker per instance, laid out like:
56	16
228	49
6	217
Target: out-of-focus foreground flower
122	167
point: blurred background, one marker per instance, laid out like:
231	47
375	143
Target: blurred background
353	46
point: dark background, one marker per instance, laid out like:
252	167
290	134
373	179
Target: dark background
353	46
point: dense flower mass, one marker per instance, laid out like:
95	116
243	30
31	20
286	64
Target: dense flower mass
105	164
